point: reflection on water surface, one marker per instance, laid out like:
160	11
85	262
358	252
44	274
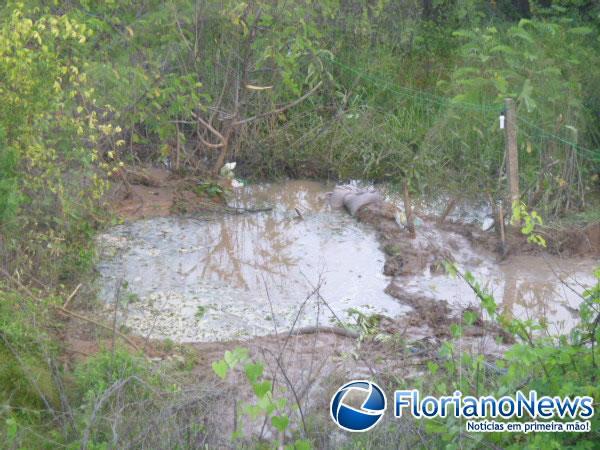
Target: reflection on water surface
206	279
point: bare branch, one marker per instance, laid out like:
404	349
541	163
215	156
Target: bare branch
210	128
107	394
281	109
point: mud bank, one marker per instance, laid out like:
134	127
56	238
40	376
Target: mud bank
525	281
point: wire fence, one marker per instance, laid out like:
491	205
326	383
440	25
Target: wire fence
529	131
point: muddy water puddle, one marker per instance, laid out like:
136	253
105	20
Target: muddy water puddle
542	288
232	276
539	288
207	279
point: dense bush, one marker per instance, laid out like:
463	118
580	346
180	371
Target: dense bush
393	90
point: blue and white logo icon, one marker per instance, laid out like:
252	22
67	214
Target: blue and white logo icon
371	411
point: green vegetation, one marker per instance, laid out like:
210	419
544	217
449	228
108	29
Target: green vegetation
566	365
389	91
266	404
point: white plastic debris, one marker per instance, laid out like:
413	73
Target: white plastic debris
488	222
227	170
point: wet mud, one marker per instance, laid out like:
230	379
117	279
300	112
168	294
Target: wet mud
526	281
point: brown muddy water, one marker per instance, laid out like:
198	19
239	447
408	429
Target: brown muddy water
207	279
232	276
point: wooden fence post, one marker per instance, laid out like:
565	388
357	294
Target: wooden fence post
512	154
410	220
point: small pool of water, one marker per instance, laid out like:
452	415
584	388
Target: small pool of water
541	288
544	288
207	279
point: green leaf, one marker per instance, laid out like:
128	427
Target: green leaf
469	277
521	33
11	429
455	330
502	49
280	403
236	435
580	30
253	371
450	268
302	444
240	353
280	422
488	303
253	411
220	367
525	96
229	359
266	404
432	367
261	389
470	317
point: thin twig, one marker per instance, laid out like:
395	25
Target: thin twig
98	324
114	323
291	386
118	385
70	297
